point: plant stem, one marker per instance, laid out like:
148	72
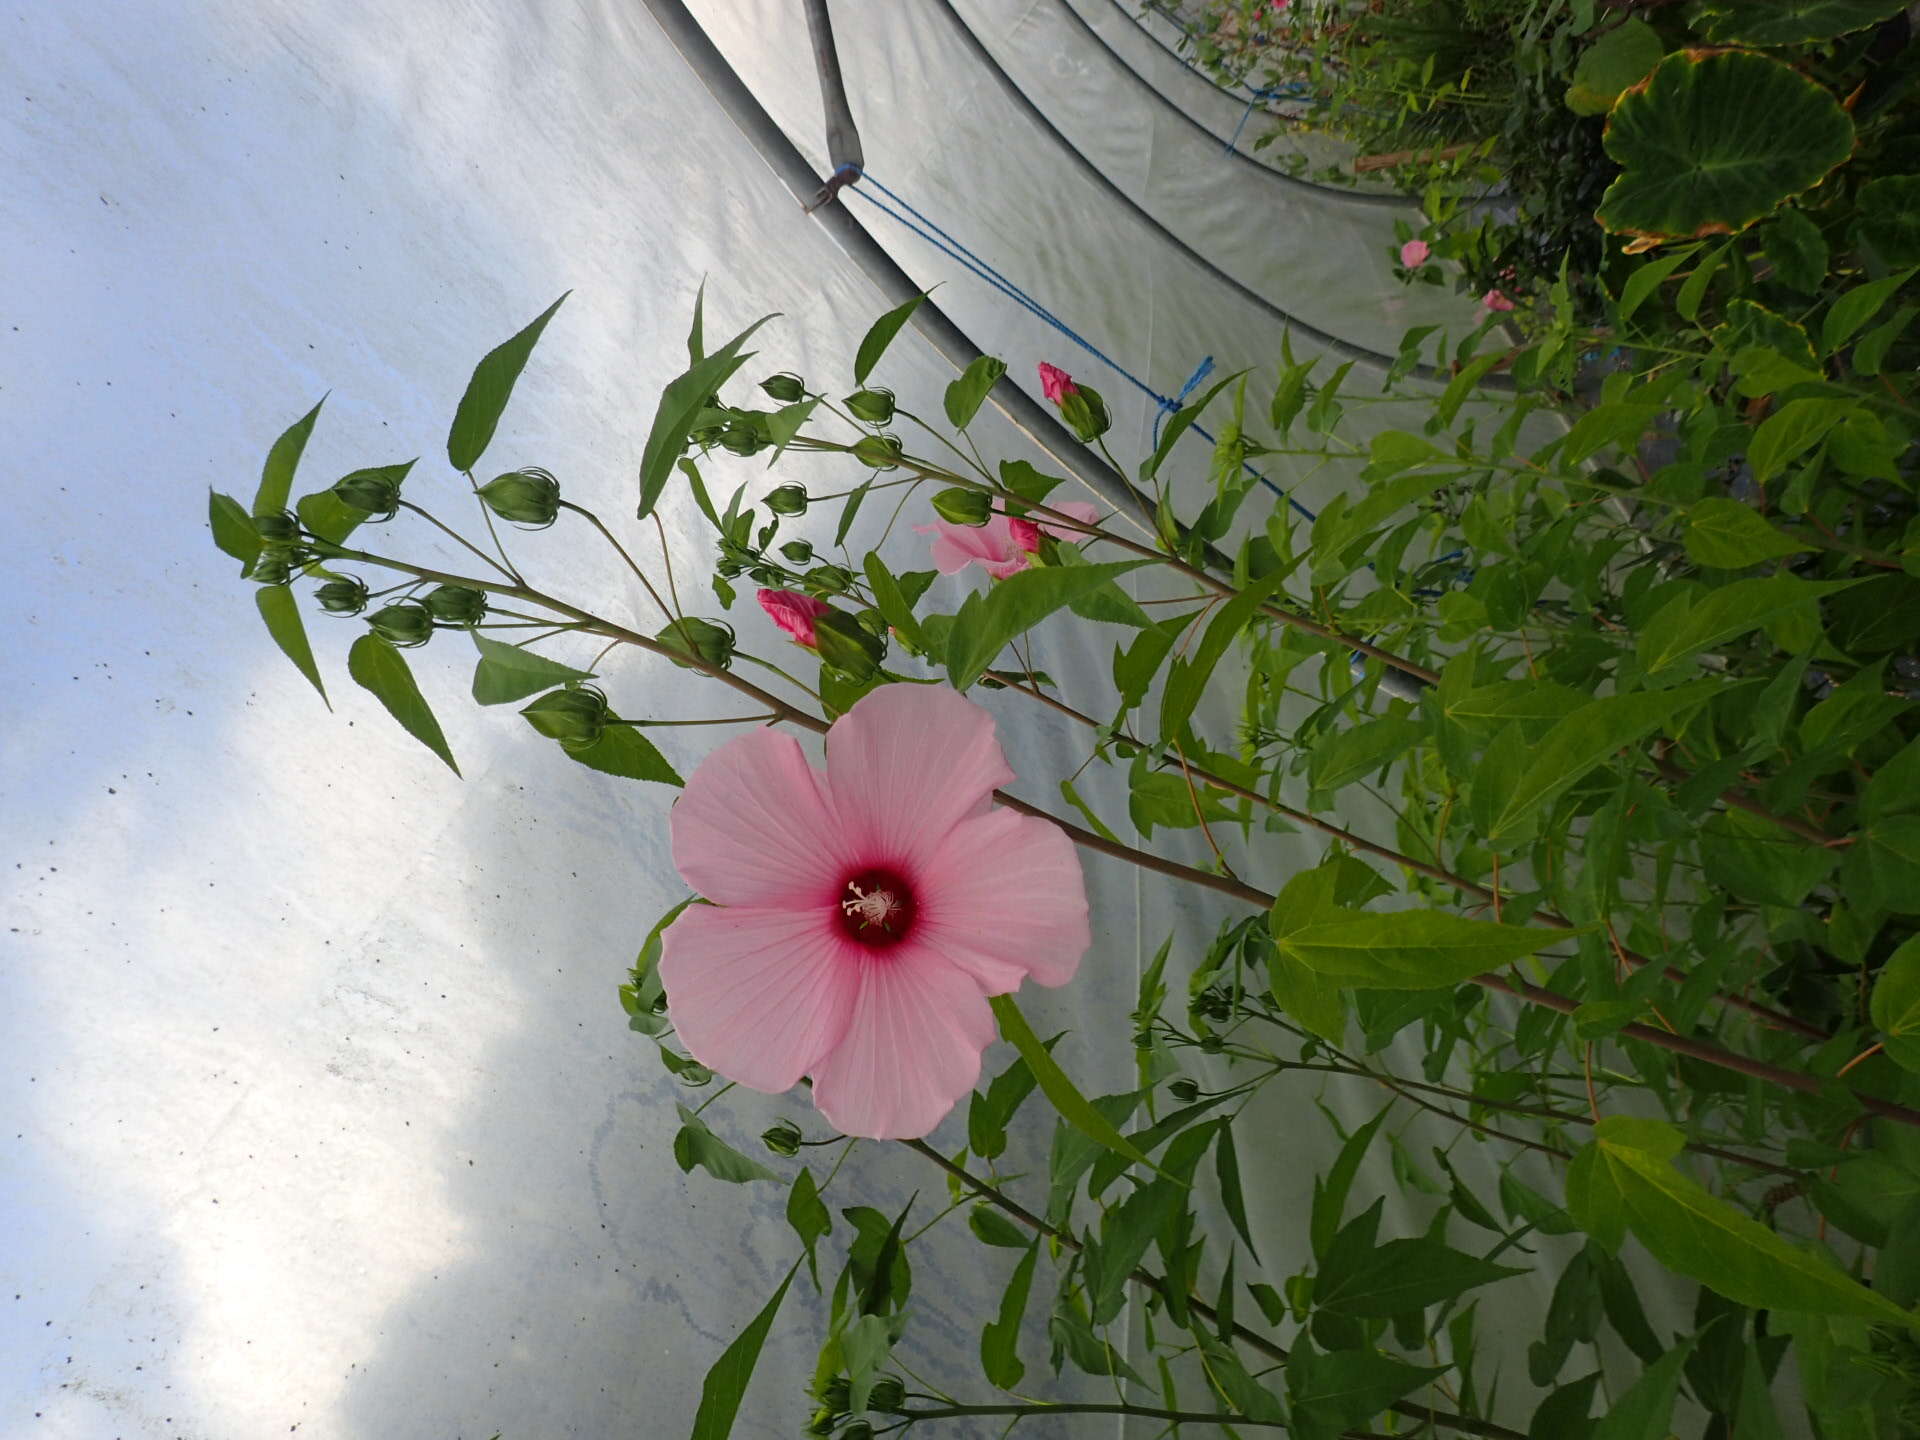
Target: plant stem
1181	1417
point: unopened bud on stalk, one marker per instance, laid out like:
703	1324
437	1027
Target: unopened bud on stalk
373	492
785	387
959	506
1185	1091
782	1139
743	440
873	406
576	716
798	552
878	452
702	639
273	566
457	604
1085	413
347	596
528	497
406	623
831	578
787	500
280	529
845	644
887	1395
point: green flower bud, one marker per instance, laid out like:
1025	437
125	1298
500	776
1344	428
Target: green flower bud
787	500
799	552
858	1430
873	406
1212	1044
576	716
820	1427
1185	1091
406	624
963	507
887	1395
272	566
782	1139
831	579
281	529
457	604
692	1074
528	497
743	440
342	597
878	452
1086	413
785	387
373	491
845	644
704	639
838	1395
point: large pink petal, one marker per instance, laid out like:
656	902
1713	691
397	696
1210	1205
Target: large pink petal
1081	510
911	1048
1003	898
757	994
754	826
989	546
905	765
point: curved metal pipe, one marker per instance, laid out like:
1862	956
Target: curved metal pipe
1357	197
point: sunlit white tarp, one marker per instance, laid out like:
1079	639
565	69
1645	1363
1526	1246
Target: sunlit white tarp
321	1116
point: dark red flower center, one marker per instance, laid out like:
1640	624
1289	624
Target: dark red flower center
877	907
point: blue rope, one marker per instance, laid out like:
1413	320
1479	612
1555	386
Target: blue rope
948	245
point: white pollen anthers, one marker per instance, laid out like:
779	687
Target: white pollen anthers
871	907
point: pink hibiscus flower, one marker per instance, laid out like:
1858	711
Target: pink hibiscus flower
1002	545
862	917
1414	253
1055	383
793	613
1494	300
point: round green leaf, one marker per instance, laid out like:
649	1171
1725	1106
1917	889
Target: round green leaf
1620	58
1712	141
1793	22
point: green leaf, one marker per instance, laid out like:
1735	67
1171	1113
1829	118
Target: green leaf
378	667
874	344
1650	274
1357	751
1330	1195
1617	424
1797	251
1188	678
1177	426
1401	1276
622	750
1645	1410
1790	432
1679	632
966	395
282	614
990	1227
1015	605
1342	1391
1126	1231
1890	217
233	529
1618	59
695	1144
1585	740
680	406
1850	311
1000	1340
509	672
806	1212
1074	1107
1226	1169
1713	141
1404	950
276	476
488	391
1791	22
726	1383
1724	534
1754	859
1699	1235
1895	1006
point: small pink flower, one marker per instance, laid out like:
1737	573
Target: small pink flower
1494	300
1281	4
1414	253
1055	383
862	917
793	613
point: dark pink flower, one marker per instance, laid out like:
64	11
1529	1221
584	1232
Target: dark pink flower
861	918
1055	383
1414	253
793	613
1002	545
1494	300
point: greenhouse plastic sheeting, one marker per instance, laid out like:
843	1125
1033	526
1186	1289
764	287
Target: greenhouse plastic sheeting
321	1116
